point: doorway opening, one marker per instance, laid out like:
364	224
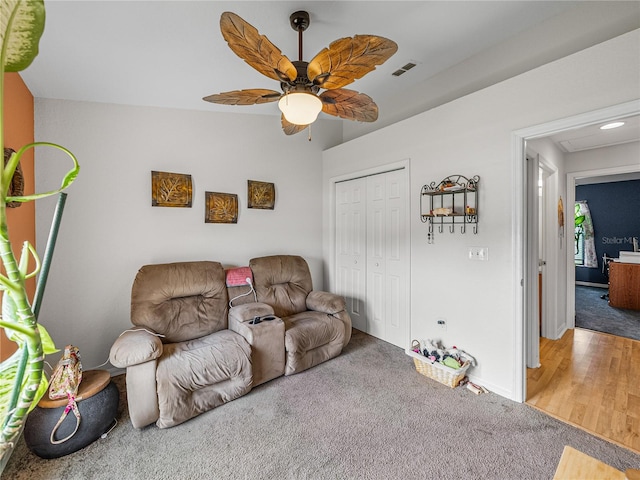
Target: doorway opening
525	272
567	345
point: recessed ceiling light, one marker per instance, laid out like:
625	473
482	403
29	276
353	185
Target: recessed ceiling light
609	126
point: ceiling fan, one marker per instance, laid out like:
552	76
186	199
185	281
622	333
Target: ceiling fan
300	101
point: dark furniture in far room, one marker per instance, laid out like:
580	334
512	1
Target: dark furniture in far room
624	285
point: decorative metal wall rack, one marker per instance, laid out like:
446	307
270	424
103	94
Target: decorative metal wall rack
453	201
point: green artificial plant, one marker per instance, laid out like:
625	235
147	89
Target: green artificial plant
22	382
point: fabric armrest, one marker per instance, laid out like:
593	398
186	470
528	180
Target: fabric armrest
246	312
134	347
325	302
142	396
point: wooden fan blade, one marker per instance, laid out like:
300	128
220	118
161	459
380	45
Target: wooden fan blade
348	59
256	49
291	128
244	97
349	104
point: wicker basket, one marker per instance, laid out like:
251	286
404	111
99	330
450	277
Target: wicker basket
437	371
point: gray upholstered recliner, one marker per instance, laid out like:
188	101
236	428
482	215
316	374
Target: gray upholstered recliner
181	359
316	324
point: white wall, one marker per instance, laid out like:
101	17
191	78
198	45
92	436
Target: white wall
109	228
626	154
473	136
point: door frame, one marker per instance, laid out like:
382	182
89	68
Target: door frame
571	199
531	234
522	342
542	239
402	164
550	248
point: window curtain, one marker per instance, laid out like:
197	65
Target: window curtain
590	258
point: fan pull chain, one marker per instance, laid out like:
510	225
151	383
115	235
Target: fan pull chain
309	127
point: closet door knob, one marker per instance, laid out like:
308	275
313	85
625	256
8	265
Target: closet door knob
377	264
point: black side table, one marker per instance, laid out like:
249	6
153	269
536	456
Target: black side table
98	405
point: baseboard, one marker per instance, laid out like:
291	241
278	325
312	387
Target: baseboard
590	284
561	333
492	388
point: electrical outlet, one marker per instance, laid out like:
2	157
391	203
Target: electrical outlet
441	323
479	253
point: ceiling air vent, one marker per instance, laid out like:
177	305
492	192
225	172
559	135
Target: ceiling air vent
404	69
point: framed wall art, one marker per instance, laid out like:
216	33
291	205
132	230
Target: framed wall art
221	207
261	195
170	189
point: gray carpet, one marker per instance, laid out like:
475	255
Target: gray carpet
595	313
364	415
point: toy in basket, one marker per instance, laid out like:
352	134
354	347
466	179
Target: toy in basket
433	361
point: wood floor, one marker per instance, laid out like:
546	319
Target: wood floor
592	381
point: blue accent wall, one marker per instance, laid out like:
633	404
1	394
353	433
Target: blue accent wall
615	211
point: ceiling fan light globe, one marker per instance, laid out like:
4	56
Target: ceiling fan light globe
300	108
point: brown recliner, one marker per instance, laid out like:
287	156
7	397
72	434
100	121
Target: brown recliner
317	325
181	359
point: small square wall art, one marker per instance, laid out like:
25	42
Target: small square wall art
170	189
261	195
221	207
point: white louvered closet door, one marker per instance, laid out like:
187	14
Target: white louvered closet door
351	246
375	227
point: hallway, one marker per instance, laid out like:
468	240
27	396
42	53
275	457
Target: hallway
590	380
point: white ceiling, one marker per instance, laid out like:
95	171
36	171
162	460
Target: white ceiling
590	137
171	54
